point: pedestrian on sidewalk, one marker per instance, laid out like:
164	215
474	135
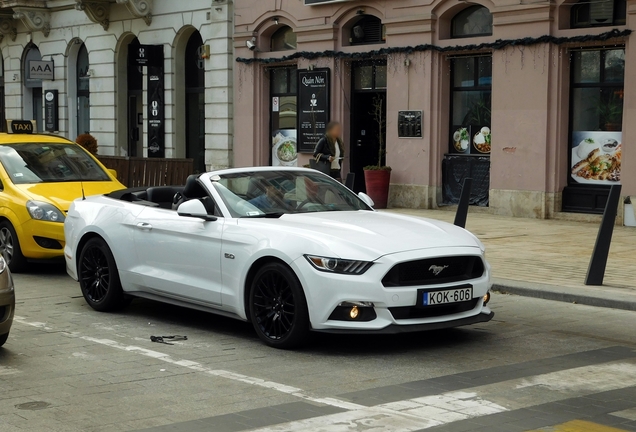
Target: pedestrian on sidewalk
330	149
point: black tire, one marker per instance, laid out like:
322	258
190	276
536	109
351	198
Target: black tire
10	248
278	308
99	277
3	338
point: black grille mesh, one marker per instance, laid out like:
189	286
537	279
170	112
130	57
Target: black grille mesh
422	272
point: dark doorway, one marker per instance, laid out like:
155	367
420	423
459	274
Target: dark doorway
135	101
368	89
195	101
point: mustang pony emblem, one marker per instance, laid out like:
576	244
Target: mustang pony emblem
437	269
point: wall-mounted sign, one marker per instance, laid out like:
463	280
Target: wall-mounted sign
156	108
149	55
409	124
41	70
313	107
51	111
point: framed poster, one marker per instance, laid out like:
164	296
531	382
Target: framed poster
284	148
596	157
313	107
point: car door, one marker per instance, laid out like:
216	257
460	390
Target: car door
179	256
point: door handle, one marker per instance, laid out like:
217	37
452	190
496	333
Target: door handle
144	226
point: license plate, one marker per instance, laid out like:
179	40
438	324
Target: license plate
456	295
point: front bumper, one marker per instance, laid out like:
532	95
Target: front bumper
325	291
7	302
48	230
398	328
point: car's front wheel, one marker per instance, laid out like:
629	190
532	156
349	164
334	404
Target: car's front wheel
10	248
3	338
278	308
99	277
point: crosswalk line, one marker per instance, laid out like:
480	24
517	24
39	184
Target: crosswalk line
429	411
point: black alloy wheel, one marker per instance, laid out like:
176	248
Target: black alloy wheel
278	308
99	277
10	248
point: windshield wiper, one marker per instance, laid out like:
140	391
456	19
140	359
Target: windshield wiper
270	215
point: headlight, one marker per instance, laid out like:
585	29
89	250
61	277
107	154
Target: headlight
44	212
337	265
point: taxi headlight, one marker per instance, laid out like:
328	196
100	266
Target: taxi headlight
44	212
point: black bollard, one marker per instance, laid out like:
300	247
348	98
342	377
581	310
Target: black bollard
464	201
596	270
351	179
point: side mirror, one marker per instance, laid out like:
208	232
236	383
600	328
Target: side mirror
366	198
112	172
195	209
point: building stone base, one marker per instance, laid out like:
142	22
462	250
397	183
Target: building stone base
414	196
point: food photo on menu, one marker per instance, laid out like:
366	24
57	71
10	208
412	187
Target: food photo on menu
284	148
481	140
596	157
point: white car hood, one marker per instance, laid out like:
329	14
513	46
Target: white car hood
370	235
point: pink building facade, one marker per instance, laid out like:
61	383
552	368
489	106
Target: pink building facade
532	100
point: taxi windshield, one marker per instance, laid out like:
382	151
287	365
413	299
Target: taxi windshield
49	163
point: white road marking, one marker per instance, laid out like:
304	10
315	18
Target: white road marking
39	325
595	378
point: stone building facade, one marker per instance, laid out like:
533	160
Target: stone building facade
93	47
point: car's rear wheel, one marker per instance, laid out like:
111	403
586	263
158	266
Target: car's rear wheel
99	277
3	338
278	308
10	248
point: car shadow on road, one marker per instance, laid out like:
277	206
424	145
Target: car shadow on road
317	343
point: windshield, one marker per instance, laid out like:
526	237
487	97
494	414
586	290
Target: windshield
47	163
262	193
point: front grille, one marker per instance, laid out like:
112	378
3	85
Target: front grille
422	272
413	312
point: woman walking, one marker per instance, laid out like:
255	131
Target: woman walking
331	149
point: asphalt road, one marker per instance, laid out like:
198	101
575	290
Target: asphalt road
539	365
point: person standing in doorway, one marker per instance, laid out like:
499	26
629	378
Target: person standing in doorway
330	149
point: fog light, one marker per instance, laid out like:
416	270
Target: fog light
353	313
486	298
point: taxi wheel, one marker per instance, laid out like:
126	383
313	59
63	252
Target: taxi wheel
10	248
99	277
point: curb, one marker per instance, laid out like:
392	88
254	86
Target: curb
584	295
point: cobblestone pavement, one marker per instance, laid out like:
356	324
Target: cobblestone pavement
539	365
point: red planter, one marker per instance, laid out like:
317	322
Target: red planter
377	183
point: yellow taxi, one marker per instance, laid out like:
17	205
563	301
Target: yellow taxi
40	175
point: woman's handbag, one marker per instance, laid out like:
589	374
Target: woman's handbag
322	166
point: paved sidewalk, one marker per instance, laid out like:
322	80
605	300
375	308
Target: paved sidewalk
549	258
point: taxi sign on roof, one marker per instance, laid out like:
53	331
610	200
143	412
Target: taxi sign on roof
21	126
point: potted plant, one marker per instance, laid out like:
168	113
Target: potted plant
610	113
378	177
89	143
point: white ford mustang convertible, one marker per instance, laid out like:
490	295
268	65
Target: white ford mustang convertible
288	249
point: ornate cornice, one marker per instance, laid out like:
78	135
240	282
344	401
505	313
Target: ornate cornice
139	8
7	27
98	11
35	19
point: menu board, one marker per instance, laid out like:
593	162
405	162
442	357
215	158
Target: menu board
596	157
313	107
284	149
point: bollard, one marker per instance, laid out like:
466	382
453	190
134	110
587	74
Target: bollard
464	201
351	179
596	270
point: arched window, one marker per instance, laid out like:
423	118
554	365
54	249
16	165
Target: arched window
367	30
83	92
600	13
472	21
283	39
